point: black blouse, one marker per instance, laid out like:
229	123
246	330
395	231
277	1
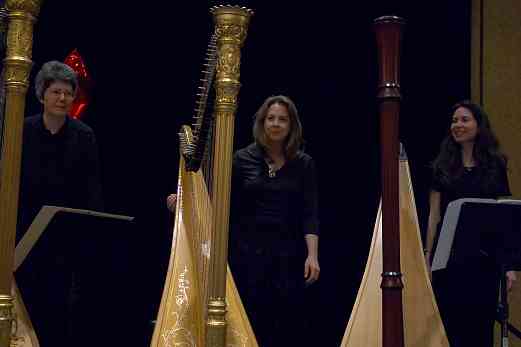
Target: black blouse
289	198
59	169
471	184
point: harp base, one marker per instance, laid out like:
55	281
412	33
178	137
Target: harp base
216	323
6	320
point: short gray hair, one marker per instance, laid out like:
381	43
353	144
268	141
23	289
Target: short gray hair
53	71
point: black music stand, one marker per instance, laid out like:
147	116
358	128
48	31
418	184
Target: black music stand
70	267
473	228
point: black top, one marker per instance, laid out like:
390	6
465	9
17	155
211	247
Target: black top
59	169
471	185
289	198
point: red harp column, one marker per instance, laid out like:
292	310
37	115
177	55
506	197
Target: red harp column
388	36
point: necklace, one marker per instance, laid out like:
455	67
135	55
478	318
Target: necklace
271	171
272	168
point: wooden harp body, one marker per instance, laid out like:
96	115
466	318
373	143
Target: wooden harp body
422	323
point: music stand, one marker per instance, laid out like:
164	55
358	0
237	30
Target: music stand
473	228
66	259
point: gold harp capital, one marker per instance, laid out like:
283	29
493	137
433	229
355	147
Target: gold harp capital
21	17
231	27
31	7
231	23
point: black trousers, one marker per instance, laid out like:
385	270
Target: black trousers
268	265
467	297
51	300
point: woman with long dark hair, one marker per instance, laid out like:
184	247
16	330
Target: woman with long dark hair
469	165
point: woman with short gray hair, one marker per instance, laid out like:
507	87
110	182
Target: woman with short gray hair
60	167
53	71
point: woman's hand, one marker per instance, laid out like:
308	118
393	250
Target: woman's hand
311	269
171	201
511	277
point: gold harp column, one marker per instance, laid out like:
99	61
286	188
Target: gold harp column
231	26
17	65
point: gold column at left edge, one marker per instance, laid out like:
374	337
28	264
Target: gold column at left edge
231	26
17	66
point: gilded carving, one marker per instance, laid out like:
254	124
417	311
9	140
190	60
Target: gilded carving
30	6
5	306
16	72
19	38
19	339
231	31
179	334
16	340
229	61
6	317
226	94
231	23
234	338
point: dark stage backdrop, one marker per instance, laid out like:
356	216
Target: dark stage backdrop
145	61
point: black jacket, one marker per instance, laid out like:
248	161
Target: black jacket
59	170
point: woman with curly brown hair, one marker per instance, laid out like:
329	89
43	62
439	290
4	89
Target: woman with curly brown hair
469	165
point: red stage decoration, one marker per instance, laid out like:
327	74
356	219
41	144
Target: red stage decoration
75	61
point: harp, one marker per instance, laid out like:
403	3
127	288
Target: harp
16	68
199	289
391	316
422	322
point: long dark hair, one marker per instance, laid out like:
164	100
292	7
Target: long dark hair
448	165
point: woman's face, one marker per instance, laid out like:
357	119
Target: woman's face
464	127
58	99
277	124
